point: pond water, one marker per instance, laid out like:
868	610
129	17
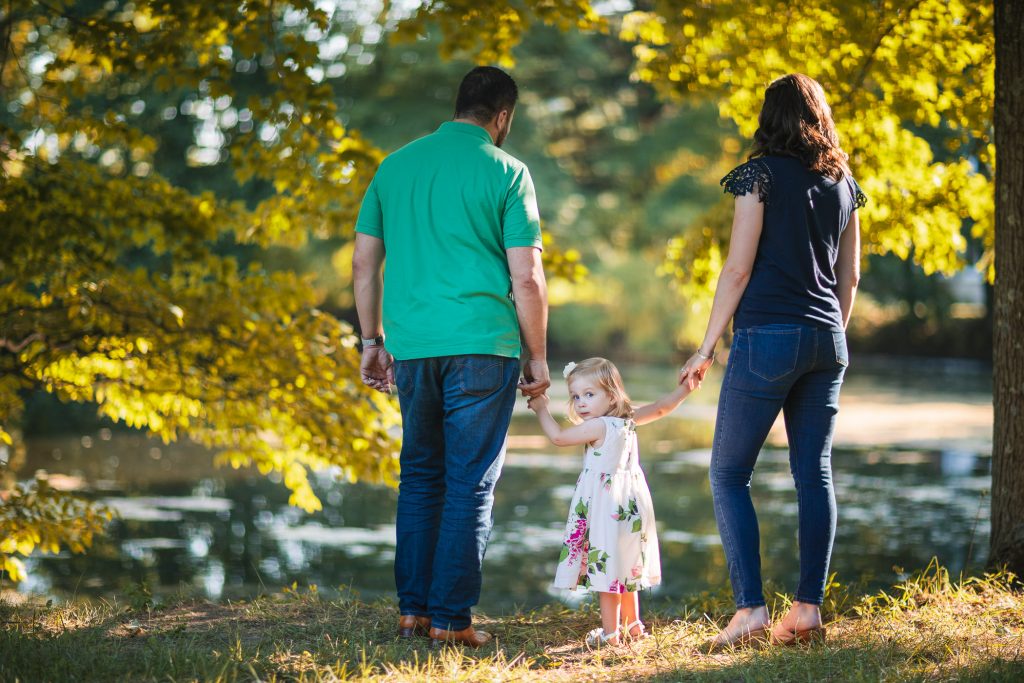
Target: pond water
186	527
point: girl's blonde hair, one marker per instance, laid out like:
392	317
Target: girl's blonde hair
608	378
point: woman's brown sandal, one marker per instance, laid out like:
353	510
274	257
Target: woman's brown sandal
815	634
746	637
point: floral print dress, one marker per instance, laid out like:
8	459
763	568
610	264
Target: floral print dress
610	544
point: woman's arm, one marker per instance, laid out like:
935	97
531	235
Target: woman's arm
590	431
848	267
746	234
663	406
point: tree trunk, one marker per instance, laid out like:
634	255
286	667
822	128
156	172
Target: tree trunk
1008	345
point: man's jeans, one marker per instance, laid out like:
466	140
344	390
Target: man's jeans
797	370
455	414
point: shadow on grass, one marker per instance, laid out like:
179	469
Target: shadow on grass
995	671
802	664
291	637
187	641
928	630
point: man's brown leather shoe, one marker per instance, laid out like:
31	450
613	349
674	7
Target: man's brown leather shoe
409	626
467	636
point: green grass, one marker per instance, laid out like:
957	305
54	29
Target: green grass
927	629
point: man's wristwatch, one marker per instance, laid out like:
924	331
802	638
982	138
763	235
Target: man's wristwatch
373	341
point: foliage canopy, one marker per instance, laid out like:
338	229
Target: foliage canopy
910	83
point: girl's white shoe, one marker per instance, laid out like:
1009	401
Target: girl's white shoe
627	630
599	637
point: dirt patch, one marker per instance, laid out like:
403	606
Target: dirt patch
898	422
225	623
195	617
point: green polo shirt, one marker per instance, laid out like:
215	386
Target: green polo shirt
447	207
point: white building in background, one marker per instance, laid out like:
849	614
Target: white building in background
968	290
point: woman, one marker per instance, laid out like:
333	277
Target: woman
788	285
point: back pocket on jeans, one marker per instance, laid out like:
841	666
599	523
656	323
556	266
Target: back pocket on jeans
773	352
842	352
481	375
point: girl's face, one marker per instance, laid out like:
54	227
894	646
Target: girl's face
588	398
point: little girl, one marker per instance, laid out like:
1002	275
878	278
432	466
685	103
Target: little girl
610	543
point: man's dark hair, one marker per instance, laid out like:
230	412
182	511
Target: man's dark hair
484	92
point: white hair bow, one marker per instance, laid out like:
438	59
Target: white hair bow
569	367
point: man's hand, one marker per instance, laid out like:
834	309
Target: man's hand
536	378
377	368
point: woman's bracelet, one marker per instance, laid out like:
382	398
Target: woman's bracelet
705	356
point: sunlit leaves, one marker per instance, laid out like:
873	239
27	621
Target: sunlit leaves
114	284
489	30
200	348
562	263
36	517
911	87
91	59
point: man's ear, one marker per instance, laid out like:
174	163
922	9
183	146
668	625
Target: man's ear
501	119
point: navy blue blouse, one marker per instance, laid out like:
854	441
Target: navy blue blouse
793	280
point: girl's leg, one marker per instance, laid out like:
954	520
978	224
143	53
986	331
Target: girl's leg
631	613
611	604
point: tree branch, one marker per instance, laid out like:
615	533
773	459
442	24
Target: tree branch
6	27
17	347
862	74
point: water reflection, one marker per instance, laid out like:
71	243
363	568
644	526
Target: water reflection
184	525
236	536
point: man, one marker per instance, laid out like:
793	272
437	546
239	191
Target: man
457	218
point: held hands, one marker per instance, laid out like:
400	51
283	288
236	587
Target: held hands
536	378
377	368
693	372
537	403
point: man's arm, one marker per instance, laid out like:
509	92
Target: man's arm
531	296
367	260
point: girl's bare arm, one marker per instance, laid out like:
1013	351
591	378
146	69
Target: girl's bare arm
663	406
591	431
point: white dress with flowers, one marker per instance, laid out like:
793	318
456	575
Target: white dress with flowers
610	543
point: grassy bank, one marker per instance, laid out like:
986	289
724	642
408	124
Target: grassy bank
928	629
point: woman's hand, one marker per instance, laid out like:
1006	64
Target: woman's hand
694	370
537	403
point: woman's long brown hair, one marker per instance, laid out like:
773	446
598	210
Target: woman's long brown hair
796	121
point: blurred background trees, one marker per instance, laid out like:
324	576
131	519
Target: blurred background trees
180	180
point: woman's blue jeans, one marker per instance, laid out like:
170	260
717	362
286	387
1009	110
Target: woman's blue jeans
455	416
798	370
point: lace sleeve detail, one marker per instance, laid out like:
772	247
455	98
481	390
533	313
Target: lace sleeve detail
741	180
860	200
